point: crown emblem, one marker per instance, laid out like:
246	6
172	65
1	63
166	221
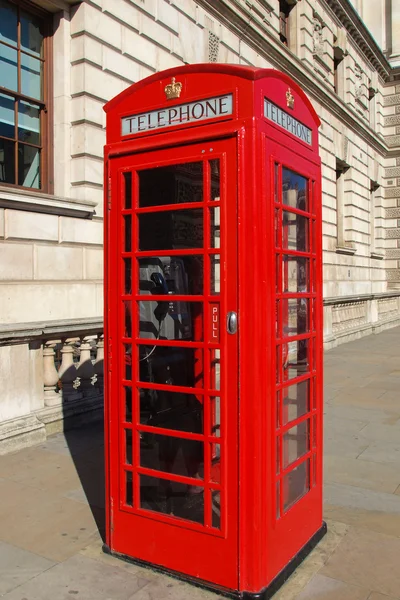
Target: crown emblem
289	98
173	89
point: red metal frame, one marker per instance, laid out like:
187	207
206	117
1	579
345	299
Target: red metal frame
256	540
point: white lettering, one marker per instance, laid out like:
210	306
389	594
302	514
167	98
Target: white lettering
287	122
183	113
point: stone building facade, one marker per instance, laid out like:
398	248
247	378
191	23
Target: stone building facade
62	60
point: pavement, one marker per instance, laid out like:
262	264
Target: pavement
52	508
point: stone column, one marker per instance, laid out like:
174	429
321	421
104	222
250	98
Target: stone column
68	372
99	365
50	376
85	369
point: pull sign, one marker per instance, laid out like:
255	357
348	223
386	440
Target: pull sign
214	323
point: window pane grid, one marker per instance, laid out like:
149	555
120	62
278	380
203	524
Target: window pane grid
21	63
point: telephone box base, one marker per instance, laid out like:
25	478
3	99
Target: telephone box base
264	594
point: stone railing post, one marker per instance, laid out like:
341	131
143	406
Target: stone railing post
85	370
50	375
68	371
99	365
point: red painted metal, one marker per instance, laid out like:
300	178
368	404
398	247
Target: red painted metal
267	439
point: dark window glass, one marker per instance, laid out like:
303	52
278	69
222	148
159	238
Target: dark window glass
171	455
295	401
173	184
171	320
171	365
182	274
172	229
171	410
172	498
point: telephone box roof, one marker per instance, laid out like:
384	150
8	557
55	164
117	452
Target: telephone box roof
244	72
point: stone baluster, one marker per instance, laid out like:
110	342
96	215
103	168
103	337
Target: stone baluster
50	376
68	371
99	365
85	370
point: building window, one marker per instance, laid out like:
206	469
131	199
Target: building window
284	10
24	93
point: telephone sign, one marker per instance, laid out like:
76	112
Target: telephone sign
213	306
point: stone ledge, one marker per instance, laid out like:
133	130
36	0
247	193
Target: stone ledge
19	333
46	203
20	433
360	298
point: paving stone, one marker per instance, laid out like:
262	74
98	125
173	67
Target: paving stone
18	566
341	444
168	588
361	473
326	588
377	596
367	559
47	524
382	452
79	577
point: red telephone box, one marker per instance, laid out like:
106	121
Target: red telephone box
213	317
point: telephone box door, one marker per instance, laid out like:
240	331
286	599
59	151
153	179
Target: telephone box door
173	371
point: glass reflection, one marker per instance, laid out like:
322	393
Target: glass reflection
171	454
182	274
294	190
171	320
295	401
294	274
295	484
295	232
295	316
295	359
295	443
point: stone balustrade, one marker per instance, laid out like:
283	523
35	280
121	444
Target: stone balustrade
73	369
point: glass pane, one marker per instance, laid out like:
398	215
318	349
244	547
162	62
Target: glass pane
9	68
295	316
128	446
216	509
294	274
171	320
171	410
276	179
214	180
7	161
182	275
28	166
277	228
171	454
215	231
294	190
28	123
31	81
8	24
215	283
128	404
128	363
128	318
128	488
31	36
173	184
128	275
278	499
295	443
278	409
215	366
278	455
7	116
215	424
172	229
295	232
128	190
172	498
128	233
296	361
295	401
170	365
295	485
215	472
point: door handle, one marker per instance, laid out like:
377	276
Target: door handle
231	322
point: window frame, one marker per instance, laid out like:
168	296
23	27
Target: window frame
45	105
